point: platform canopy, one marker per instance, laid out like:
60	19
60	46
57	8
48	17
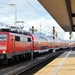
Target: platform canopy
63	11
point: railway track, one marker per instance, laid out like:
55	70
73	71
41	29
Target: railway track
25	66
39	65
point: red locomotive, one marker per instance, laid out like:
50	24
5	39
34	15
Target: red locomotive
13	45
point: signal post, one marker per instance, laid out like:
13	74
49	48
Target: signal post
53	35
32	29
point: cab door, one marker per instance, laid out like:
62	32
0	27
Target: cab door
12	43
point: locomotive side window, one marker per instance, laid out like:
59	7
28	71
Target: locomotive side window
23	39
17	38
29	39
3	37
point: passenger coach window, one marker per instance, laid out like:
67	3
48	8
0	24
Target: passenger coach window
17	38
29	39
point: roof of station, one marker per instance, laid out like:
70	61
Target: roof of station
63	11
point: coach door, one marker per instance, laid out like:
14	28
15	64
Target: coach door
12	43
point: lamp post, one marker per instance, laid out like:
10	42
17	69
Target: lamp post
15	18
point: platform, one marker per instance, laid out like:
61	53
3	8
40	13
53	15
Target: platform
62	65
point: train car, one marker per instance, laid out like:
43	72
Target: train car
57	43
40	43
13	45
53	43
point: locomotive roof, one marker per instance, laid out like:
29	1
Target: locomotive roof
12	29
18	30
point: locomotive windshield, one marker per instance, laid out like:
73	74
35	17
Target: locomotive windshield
3	37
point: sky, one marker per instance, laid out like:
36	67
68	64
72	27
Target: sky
31	13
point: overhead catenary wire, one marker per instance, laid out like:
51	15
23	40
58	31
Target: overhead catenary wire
31	6
5	2
22	13
37	11
34	8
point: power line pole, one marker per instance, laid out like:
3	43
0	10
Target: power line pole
15	10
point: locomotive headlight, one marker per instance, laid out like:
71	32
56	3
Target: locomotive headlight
4	52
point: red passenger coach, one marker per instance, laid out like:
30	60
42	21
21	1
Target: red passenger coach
40	44
35	42
13	45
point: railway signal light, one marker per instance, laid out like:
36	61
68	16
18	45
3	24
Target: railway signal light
70	33
53	32
33	29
